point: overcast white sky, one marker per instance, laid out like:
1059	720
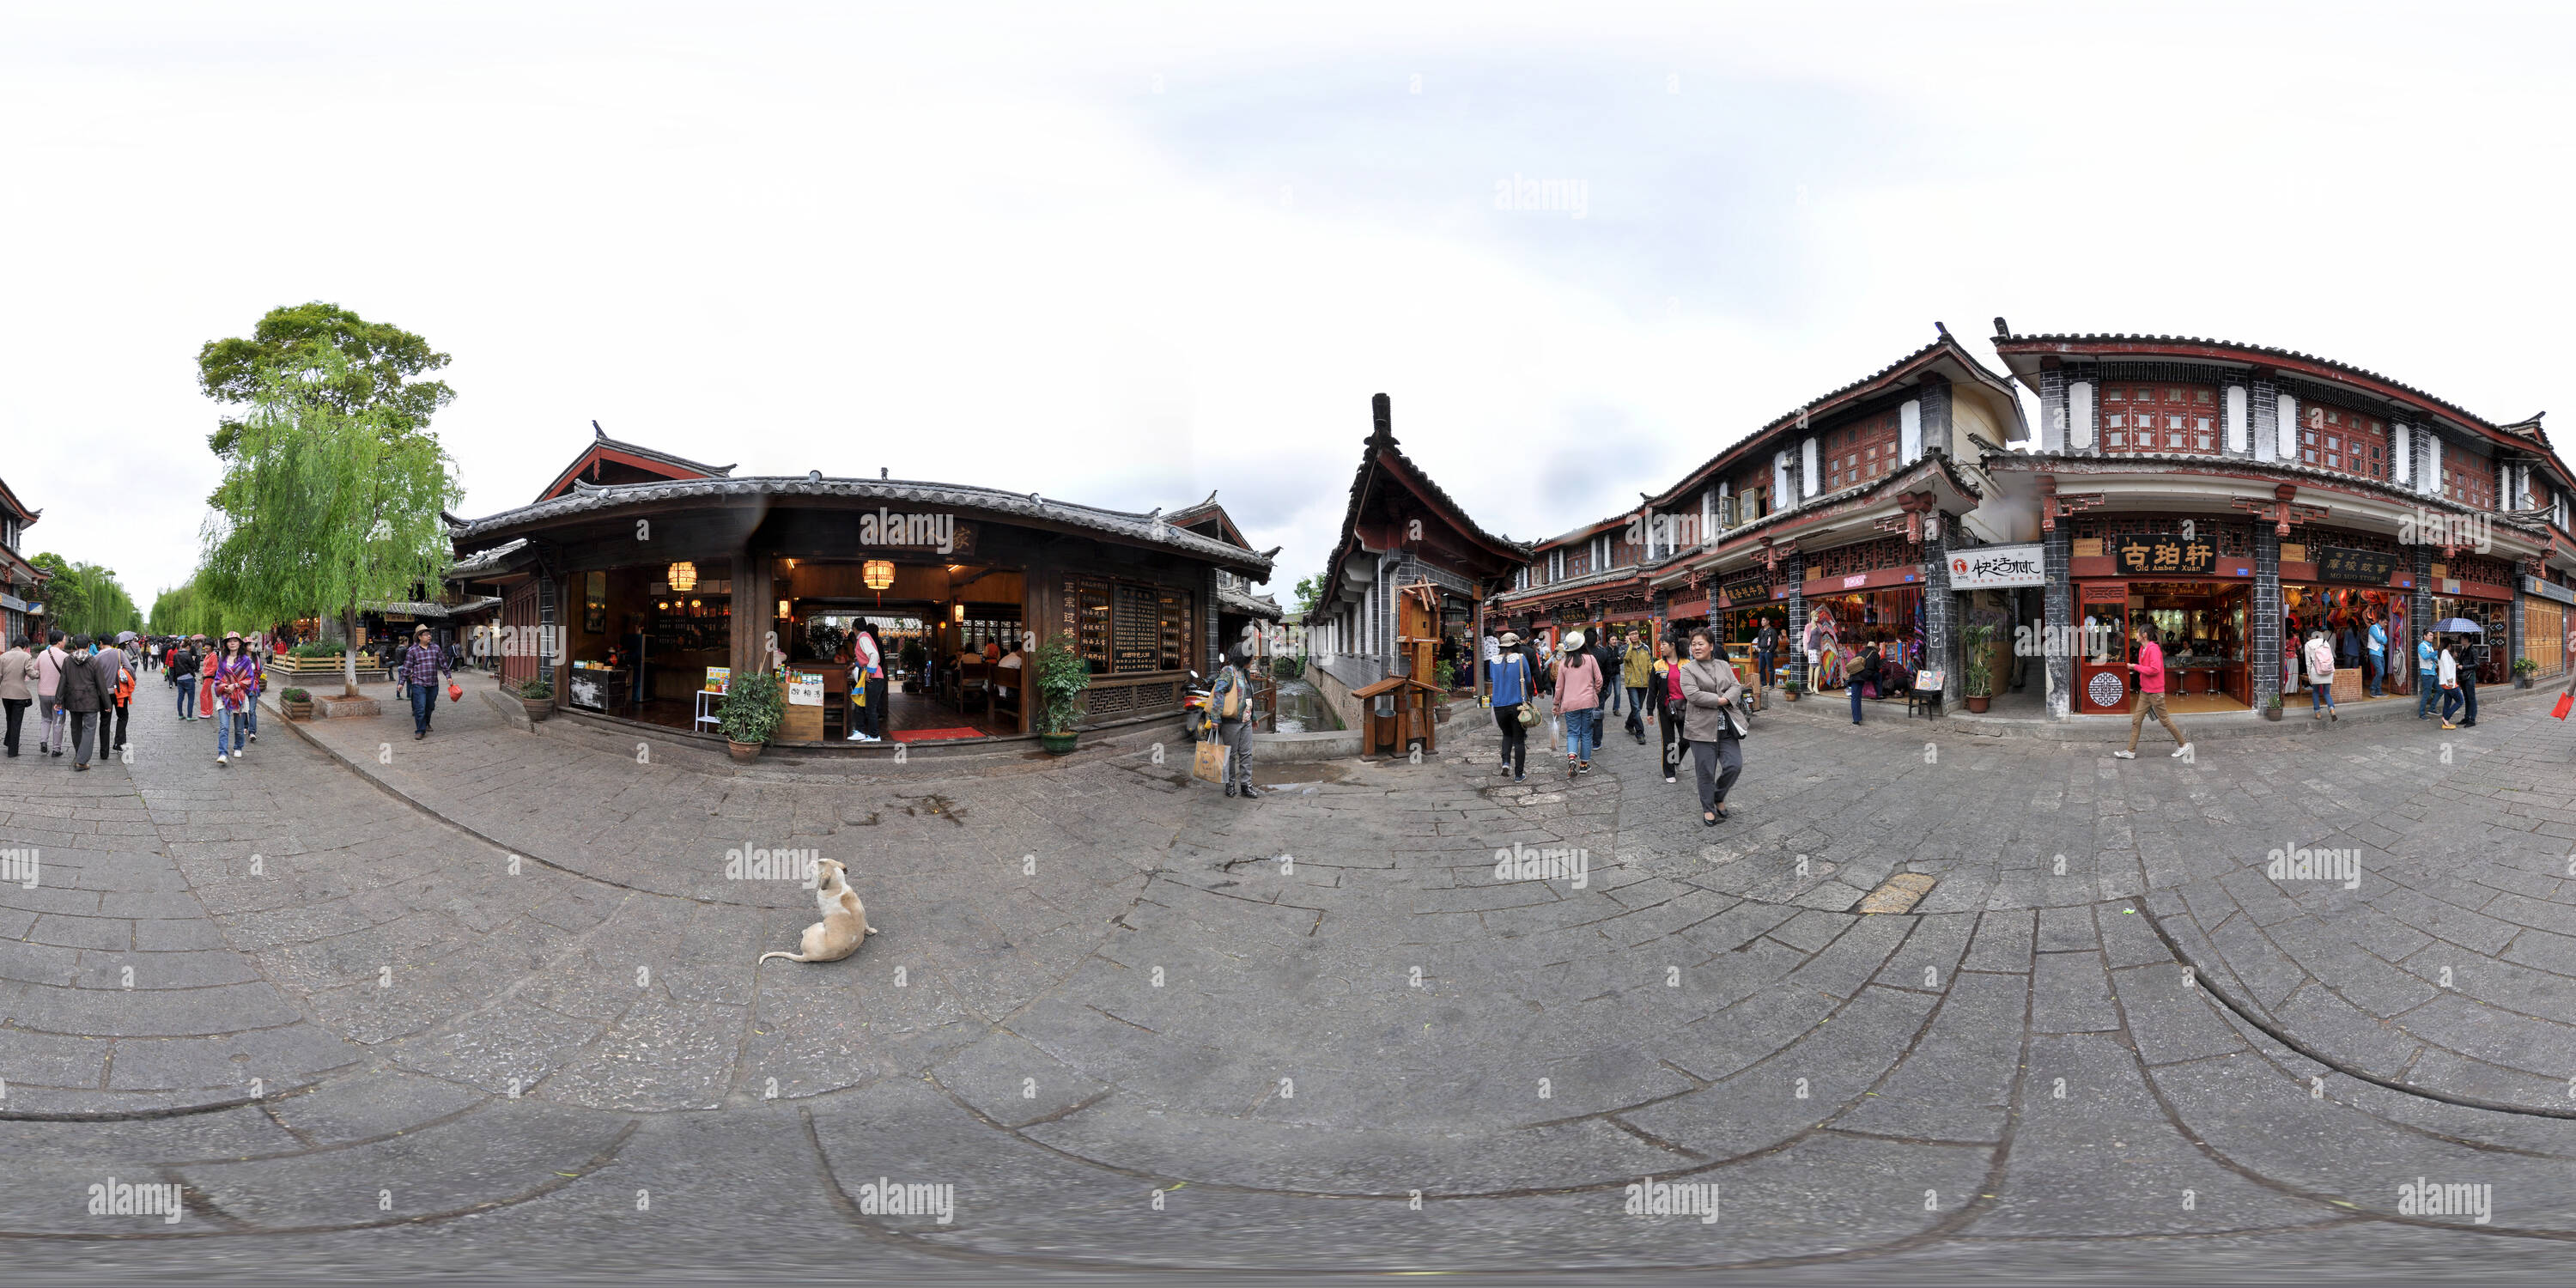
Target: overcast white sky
1124	254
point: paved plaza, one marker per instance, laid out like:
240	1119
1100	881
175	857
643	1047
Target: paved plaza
489	1002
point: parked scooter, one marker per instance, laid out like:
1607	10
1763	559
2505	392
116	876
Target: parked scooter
1198	724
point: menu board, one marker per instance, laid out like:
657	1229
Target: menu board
718	677
1087	603
804	688
1175	629
1133	632
2368	567
2150	556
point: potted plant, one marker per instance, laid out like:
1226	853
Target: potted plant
1981	667
1790	687
2272	708
2523	669
536	697
753	706
297	704
1061	677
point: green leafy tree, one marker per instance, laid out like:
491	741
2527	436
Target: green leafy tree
1309	590
378	376
324	507
86	599
186	609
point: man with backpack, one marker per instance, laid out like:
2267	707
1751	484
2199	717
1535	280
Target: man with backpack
1231	699
182	661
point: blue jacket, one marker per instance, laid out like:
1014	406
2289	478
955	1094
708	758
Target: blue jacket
1511	678
2425	655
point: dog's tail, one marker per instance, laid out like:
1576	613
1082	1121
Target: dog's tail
793	957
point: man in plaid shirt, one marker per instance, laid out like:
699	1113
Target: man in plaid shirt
419	671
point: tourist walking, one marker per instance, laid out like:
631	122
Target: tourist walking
121	699
2447	675
2150	697
2321	673
49	682
2471	655
88	693
1669	705
2375	654
1709	691
1578	703
1510	680
1605	653
230	682
1636	672
17	685
184	662
416	673
2427	676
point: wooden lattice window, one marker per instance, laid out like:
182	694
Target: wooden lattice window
2469	480
1860	452
2347	442
2162	416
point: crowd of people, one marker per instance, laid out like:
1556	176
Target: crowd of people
1697	703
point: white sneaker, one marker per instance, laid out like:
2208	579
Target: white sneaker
2182	751
856	736
221	761
2125	755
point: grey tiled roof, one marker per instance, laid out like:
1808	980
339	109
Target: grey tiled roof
911	495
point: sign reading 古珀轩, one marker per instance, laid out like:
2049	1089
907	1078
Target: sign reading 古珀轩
2548	590
2149	556
1997	568
2367	567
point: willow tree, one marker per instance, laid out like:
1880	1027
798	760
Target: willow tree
324	506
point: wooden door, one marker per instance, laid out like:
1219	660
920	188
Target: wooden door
2102	676
1417	626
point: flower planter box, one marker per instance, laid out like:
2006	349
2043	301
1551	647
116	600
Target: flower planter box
298	711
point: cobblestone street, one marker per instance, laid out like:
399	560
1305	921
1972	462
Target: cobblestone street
494	991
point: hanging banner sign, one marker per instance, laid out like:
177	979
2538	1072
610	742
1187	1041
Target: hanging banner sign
2548	590
1997	568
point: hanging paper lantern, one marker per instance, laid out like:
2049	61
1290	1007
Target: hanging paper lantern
878	573
684	577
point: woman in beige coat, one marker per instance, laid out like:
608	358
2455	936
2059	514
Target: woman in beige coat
17	686
1716	736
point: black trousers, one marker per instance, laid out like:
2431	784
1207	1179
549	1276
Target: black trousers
17	712
123	710
1675	746
1515	738
1717	763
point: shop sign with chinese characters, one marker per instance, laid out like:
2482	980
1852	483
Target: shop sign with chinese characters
2363	567
2155	556
1997	568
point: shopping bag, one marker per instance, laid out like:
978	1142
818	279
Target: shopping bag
455	692
2565	700
1208	760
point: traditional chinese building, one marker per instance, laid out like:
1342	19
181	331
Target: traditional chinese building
1406	575
21	583
2234	497
1835	516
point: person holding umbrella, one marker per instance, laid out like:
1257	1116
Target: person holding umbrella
2459	670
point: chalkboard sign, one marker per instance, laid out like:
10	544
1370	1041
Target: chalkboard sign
1133	631
2367	567
2154	556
